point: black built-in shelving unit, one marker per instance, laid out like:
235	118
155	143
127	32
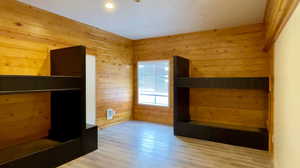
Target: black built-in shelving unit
70	137
184	126
13	84
224	83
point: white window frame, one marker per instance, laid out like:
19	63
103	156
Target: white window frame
137	87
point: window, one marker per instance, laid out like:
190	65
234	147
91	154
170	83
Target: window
153	83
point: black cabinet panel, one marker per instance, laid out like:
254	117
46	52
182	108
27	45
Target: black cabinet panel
251	139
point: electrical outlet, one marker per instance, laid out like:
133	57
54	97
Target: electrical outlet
110	114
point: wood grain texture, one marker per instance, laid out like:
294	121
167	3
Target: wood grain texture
27	34
163	115
147	145
232	52
24	117
277	14
229	106
270	116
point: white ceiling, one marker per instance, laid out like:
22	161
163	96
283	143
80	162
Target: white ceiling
153	18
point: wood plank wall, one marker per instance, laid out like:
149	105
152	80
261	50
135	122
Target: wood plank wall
232	52
26	36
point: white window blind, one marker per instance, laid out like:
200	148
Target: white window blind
153	83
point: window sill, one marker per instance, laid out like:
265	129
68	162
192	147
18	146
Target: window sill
153	105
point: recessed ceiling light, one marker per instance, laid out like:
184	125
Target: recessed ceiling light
109	5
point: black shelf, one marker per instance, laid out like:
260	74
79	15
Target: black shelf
229	134
225	83
252	138
47	152
11	84
19	151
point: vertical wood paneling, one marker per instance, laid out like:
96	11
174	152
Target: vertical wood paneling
27	34
232	52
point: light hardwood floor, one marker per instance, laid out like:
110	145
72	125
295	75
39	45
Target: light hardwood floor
137	144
